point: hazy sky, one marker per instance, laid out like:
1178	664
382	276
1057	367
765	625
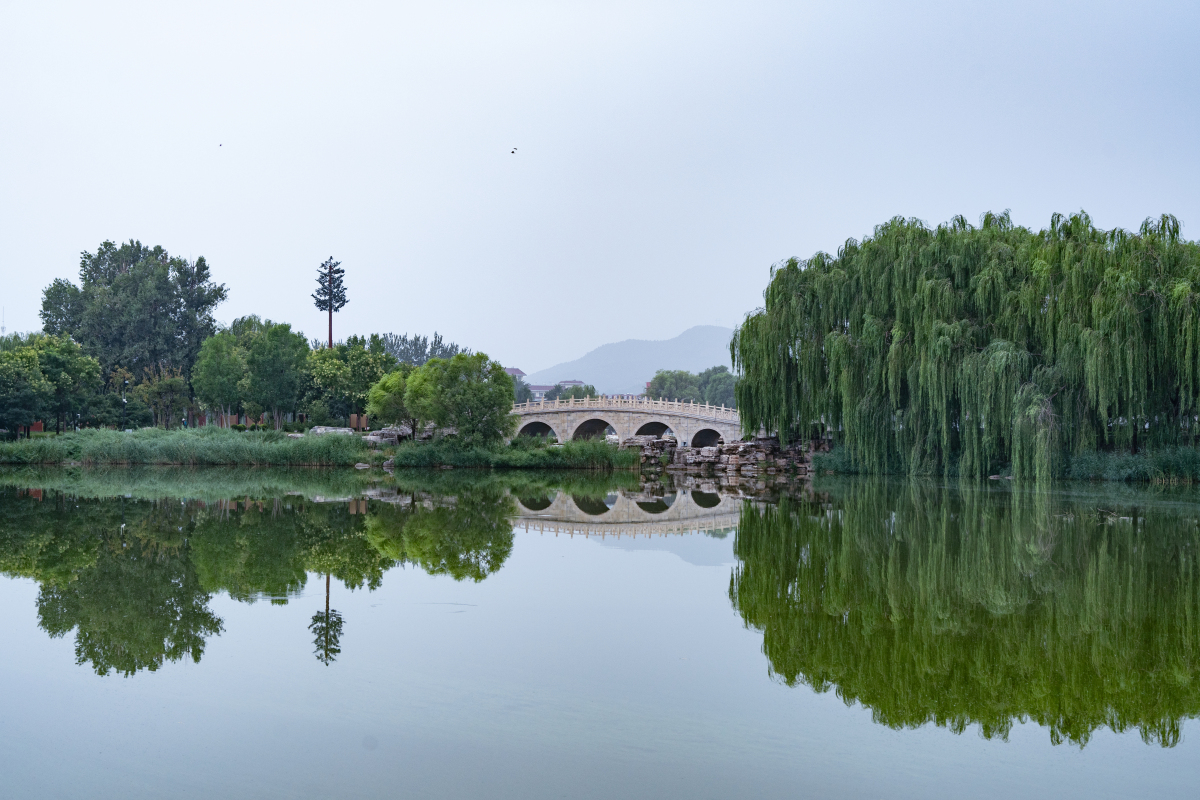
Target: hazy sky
668	153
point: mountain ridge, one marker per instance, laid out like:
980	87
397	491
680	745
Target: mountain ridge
625	367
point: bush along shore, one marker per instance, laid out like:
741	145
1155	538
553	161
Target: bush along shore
523	453
224	447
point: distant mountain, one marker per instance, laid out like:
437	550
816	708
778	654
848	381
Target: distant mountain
625	367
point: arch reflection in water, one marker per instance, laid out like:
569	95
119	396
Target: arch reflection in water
657	505
931	604
592	505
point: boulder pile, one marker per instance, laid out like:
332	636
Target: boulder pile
752	459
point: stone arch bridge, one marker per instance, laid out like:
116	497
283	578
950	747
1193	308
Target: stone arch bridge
692	424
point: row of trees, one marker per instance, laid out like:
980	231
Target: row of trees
43	376
714	385
134	342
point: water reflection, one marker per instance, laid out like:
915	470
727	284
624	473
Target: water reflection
132	577
925	603
978	606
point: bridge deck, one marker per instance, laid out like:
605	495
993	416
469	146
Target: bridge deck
644	404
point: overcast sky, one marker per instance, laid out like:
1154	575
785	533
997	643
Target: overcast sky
667	153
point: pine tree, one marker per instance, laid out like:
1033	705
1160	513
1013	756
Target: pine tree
331	292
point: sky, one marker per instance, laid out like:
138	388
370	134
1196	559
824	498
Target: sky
667	154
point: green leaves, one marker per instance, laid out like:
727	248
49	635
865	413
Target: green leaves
470	393
714	385
1100	325
135	306
24	390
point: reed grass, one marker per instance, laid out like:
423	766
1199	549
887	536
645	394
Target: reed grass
195	447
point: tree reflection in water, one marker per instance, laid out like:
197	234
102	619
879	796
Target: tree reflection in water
982	606
133	578
326	627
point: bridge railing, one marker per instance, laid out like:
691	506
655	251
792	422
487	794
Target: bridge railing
645	404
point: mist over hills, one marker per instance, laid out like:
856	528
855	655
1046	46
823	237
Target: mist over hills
625	367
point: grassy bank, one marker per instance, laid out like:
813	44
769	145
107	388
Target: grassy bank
196	447
191	483
1148	466
590	454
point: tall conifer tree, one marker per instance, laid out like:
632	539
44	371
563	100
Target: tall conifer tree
331	292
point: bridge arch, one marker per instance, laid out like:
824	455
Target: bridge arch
706	437
654	427
594	428
538	427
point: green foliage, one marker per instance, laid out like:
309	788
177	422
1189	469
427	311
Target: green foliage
965	349
981	606
195	446
135	307
219	369
164	391
345	373
275	362
561	392
43	375
331	289
714	386
24	390
386	399
521	391
585	454
416	350
73	376
470	393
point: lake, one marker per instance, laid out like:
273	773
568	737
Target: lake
331	634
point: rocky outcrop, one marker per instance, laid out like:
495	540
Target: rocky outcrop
321	430
752	459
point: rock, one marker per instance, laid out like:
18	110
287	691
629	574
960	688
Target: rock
389	464
321	430
295	435
361	465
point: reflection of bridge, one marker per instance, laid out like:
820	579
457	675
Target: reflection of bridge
693	424
629	514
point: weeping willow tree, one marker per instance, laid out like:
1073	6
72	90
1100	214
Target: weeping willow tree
982	608
962	349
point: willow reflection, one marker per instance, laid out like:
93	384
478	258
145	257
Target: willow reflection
930	604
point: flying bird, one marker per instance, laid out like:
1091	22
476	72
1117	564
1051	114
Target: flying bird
514	149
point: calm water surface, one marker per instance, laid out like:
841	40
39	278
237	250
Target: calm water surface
317	634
